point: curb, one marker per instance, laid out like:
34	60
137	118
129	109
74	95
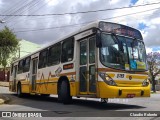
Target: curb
4	99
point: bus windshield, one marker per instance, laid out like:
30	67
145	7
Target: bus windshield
122	53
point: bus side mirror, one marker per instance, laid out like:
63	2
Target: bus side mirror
98	40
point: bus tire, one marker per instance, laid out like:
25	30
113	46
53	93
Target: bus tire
65	93
59	93
19	90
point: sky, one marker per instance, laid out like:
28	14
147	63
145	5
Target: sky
42	30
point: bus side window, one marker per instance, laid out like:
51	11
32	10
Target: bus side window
20	66
43	59
54	54
26	64
67	50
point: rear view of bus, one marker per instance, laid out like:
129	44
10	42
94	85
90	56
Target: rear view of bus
122	67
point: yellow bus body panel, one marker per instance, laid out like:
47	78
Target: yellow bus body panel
106	91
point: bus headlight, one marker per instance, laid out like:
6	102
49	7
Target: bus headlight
145	83
107	79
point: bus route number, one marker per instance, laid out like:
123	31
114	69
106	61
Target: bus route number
120	75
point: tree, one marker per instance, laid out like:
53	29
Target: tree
8	46
153	59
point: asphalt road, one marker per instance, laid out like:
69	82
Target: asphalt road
81	107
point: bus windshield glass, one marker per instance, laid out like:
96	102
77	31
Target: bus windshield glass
122	53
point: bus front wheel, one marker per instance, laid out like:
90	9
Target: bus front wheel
64	92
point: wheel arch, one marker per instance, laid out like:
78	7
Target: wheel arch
62	78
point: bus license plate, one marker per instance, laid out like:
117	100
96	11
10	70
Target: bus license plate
130	95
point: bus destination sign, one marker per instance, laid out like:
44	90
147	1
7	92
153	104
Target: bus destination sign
120	29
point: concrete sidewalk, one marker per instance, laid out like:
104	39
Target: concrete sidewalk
3	98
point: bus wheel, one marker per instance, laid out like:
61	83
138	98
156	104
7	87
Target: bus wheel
59	93
19	90
65	93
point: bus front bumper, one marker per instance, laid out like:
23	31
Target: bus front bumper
106	91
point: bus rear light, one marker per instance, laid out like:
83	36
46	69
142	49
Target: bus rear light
107	79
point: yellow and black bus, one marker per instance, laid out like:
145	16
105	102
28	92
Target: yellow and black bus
100	60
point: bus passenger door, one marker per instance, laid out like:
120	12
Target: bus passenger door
87	69
34	63
14	78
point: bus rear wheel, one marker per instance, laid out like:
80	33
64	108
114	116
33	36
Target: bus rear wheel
64	93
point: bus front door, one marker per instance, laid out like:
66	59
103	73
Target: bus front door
87	68
33	74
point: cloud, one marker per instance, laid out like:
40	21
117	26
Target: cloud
149	20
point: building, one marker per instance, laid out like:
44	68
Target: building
25	48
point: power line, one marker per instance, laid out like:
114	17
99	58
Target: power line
52	16
82	12
23	9
39	7
85	22
18	10
13	8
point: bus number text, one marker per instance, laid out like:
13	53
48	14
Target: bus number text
120	75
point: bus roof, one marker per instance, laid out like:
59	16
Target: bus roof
81	29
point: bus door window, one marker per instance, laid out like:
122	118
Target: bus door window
92	50
92	68
87	66
83	66
34	73
83	53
